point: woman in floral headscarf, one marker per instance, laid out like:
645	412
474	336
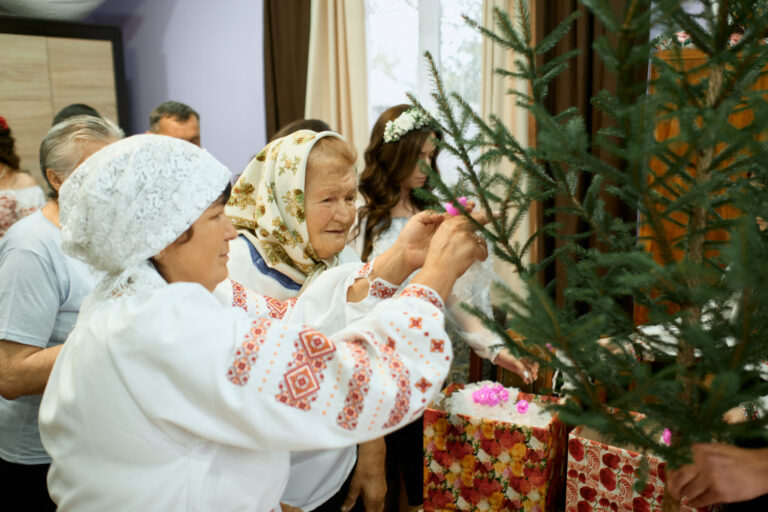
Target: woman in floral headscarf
294	207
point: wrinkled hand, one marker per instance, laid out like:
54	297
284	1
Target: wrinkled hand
720	473
287	508
453	249
527	370
369	480
415	236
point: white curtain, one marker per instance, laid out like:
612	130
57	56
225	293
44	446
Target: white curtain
337	83
495	100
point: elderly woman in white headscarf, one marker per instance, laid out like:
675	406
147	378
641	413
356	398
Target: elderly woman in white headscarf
164	399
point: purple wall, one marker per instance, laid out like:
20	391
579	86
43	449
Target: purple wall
206	54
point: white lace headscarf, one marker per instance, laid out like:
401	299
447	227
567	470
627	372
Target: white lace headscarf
129	201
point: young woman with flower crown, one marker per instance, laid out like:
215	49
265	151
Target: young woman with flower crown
400	141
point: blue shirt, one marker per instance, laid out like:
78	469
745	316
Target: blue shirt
41	290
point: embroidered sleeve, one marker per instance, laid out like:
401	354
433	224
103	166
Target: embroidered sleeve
750	411
379	288
424	293
369	378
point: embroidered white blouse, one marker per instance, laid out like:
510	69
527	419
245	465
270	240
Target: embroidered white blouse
168	400
316	475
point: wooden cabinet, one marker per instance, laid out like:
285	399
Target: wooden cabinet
45	66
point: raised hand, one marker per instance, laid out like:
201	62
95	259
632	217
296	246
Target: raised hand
453	249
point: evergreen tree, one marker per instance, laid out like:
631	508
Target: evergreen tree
706	294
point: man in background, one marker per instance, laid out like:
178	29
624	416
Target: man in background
177	120
75	109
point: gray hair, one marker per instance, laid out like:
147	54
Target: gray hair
63	146
173	109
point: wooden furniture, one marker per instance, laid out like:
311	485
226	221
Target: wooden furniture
686	60
45	66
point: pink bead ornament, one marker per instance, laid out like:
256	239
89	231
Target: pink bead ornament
452	210
666	437
522	406
490	394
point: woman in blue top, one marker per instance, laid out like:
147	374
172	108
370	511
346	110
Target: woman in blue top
39	301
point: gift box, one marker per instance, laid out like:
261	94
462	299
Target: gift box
601	477
474	463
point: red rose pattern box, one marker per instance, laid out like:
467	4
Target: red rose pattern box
601	478
473	463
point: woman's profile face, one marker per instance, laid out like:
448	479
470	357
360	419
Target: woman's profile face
201	258
329	201
417	178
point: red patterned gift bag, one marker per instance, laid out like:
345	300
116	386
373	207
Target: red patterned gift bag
601	478
473	463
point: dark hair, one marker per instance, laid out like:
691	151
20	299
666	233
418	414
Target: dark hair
8	154
316	125
387	165
173	109
75	109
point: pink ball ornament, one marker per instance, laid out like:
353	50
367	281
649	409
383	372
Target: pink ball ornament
462	201
451	210
522	406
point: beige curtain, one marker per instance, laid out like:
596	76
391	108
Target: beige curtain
495	100
337	83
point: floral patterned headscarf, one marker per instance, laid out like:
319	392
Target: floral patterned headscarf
267	204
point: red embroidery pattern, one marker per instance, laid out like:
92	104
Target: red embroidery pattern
238	296
278	308
423	385
402	377
246	355
358	387
391	342
380	290
364	271
304	374
420	292
436	345
415	323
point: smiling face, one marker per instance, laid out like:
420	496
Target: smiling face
329	201
202	256
417	179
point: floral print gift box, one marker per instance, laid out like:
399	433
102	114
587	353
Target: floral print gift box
474	463
601	477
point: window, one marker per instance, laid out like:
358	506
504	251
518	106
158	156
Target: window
398	34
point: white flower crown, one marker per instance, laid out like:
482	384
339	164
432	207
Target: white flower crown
411	119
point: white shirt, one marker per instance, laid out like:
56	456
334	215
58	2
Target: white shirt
315	476
168	400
